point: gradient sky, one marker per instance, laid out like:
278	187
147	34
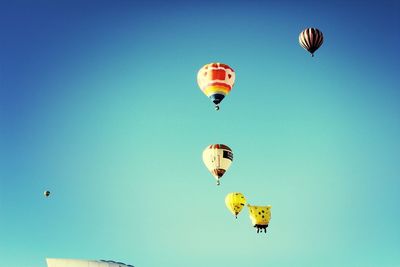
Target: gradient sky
99	104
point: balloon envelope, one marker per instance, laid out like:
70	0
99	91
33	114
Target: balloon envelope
216	81
218	159
235	202
260	216
311	39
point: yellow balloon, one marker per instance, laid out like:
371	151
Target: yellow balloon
260	216
235	202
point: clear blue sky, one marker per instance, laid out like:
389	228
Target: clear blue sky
99	104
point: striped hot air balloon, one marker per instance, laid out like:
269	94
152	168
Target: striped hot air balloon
311	39
216	81
218	159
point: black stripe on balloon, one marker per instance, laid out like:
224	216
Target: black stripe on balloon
312	37
321	39
317	41
307	35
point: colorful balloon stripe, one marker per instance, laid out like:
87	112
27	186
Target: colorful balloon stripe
212	90
225	85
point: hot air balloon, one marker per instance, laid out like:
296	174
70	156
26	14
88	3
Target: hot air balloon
235	202
311	39
216	81
46	193
217	159
260	216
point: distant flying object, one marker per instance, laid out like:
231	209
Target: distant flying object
235	202
46	193
216	81
84	263
260	216
218	159
311	39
